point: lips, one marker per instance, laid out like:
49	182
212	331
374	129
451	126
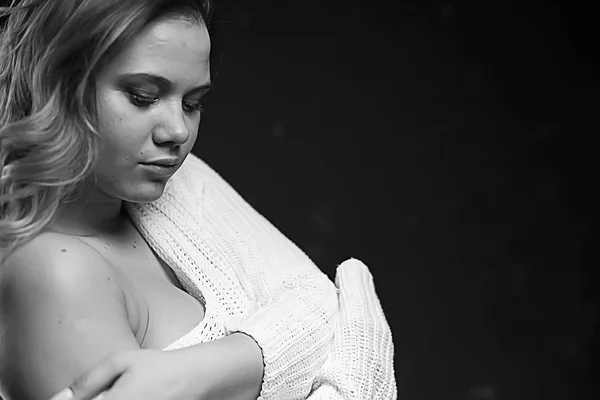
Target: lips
162	170
160	164
166	162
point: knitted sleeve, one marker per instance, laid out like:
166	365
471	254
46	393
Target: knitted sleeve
295	304
361	364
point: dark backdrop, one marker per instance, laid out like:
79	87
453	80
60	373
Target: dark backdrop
445	144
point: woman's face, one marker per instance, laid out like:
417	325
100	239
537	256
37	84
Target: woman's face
149	108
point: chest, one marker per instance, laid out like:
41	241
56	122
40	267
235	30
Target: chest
160	311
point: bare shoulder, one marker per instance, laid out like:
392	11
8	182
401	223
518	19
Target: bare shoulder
53	262
61	311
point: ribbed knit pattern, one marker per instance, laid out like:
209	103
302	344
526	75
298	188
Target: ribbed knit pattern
252	279
360	366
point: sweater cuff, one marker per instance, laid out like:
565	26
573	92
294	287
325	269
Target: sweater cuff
295	337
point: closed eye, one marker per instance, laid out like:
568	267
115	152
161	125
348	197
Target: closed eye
141	101
191	107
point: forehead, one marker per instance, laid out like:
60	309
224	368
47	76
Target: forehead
175	48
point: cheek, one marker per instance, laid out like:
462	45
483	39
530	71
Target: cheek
123	129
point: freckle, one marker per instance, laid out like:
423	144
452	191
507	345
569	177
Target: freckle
63	251
142	153
134	246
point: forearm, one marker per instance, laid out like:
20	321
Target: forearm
236	368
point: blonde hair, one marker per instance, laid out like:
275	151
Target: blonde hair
50	53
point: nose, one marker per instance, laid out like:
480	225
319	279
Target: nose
172	127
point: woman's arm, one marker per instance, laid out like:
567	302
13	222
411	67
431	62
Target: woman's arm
361	365
225	369
61	311
296	303
63	323
256	279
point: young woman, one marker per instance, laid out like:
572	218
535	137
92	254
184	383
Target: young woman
117	243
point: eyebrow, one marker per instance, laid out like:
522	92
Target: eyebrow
163	83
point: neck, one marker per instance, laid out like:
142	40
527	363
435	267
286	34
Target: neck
92	214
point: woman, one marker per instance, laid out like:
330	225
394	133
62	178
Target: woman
117	243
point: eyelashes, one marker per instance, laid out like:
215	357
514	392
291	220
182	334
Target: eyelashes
141	101
191	107
144	102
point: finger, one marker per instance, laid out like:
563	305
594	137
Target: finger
121	389
94	381
99	378
66	394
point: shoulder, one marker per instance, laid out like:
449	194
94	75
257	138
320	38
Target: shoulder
194	180
197	169
54	279
59	298
55	264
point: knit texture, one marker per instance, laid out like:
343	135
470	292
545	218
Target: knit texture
319	340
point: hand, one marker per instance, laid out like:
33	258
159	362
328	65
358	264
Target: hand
136	374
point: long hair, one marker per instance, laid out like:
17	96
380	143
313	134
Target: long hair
51	52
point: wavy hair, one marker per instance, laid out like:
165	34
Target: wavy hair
50	54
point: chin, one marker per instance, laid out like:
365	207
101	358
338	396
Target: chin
144	192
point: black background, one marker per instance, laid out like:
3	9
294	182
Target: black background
449	146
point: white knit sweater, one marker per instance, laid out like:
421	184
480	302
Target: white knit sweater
319	340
